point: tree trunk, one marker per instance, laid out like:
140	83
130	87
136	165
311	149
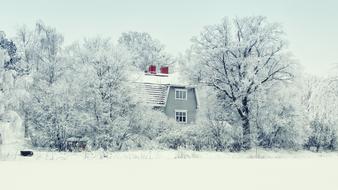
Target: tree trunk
246	124
25	124
246	133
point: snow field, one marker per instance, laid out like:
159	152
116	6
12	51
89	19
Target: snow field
168	174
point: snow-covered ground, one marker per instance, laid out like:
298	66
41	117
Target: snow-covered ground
171	170
167	154
211	171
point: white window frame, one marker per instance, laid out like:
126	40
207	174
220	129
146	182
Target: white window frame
181	90
186	116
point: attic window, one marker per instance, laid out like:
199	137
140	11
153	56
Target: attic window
181	116
181	94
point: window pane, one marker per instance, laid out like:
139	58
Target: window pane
181	94
181	116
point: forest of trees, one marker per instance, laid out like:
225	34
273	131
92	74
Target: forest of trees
252	91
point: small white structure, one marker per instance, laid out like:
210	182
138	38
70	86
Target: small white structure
11	134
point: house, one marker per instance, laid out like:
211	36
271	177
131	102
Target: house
169	94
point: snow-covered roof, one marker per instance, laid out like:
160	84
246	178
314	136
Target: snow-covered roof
155	94
154	88
173	79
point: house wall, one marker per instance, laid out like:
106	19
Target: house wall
190	104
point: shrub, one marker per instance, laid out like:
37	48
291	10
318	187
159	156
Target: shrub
323	136
192	137
224	136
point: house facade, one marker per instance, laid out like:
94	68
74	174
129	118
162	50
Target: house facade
182	103
169	94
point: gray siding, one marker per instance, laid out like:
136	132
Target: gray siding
190	104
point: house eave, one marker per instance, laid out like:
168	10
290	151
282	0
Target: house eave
183	86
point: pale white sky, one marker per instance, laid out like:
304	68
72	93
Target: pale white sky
311	26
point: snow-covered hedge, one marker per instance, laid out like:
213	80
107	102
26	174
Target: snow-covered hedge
323	136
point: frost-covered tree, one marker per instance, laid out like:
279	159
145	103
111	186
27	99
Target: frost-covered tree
81	91
222	135
238	57
27	44
12	91
47	112
5	82
12	85
10	48
103	69
320	99
323	135
279	119
145	50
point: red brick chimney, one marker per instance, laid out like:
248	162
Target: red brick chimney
164	70
152	69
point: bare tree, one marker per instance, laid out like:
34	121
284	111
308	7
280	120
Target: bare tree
239	57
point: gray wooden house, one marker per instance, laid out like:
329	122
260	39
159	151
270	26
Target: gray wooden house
167	93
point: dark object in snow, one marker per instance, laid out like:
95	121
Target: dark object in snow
26	153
